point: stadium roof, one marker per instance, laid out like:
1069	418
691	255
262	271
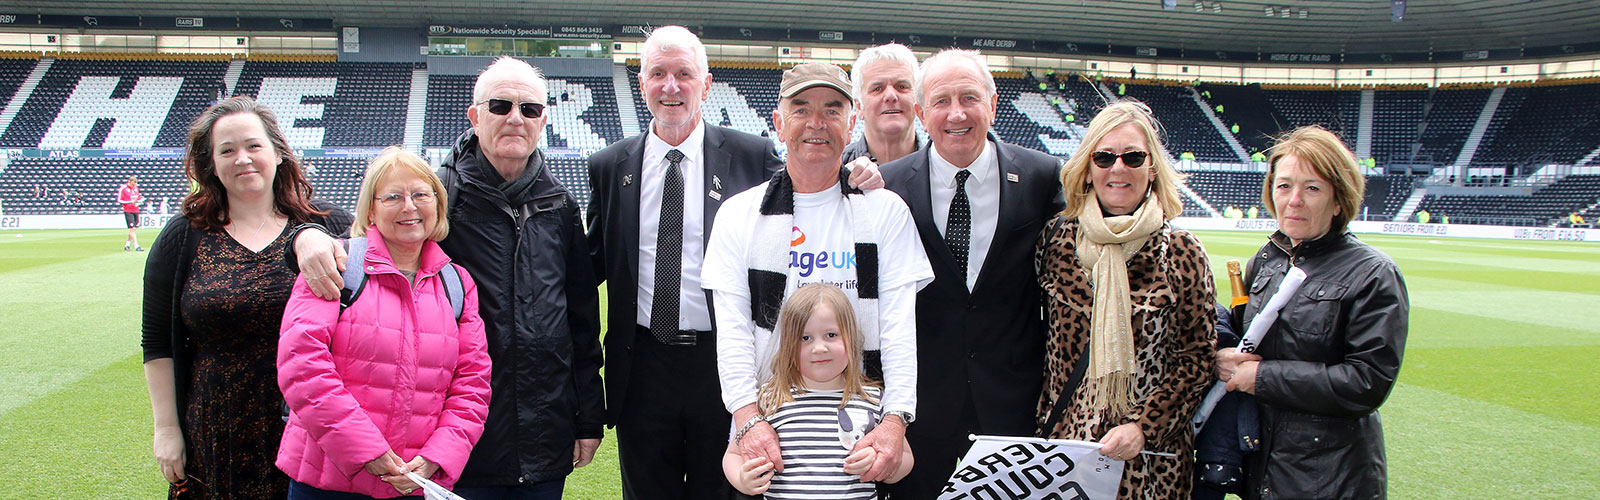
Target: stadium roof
1327	26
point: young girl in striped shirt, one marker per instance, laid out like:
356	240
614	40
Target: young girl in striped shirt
819	402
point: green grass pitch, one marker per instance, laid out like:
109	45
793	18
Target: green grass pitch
1499	395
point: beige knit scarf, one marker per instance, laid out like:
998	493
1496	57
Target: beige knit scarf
1104	246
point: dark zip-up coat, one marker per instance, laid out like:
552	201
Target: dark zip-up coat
537	296
1328	362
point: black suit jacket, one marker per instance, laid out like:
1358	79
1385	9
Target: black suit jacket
983	348
734	161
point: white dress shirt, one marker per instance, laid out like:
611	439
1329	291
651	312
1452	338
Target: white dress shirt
695	313
983	195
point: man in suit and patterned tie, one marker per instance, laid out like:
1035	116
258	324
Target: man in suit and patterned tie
654	197
979	205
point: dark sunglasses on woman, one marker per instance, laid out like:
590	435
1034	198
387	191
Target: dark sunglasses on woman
503	107
1133	159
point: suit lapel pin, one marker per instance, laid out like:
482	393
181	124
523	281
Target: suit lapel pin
714	195
716	183
1010	177
627	179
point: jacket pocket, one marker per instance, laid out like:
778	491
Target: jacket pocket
1315	308
1313	457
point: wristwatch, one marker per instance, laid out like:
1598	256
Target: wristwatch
905	416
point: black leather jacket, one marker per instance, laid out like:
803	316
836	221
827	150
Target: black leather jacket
1328	362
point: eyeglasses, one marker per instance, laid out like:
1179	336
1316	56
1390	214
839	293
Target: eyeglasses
419	198
1133	159
503	107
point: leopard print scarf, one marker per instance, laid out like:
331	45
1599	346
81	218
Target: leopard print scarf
1104	246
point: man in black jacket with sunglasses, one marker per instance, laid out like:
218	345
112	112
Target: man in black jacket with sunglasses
519	233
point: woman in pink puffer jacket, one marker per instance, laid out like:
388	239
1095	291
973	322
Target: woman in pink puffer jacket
394	383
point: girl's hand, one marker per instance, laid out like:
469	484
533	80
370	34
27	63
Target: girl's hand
755	476
860	461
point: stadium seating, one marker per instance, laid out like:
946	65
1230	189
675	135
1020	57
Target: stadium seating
12	72
1187	127
1027	119
324	104
1335	110
1547	204
1240	190
1386	193
1449	120
446	119
115	104
93	181
337	180
1536	125
1396	116
133	103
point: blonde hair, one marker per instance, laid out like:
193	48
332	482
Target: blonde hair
791	325
1164	179
1321	152
380	167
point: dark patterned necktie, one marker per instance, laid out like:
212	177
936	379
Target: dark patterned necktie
669	253
958	230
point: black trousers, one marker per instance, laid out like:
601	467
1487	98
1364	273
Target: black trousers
672	435
936	455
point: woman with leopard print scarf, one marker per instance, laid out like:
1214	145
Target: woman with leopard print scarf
1130	301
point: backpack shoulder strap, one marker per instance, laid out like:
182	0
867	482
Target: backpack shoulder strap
452	182
355	273
453	289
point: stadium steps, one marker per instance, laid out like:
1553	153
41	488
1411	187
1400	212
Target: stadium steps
1222	130
1589	158
416	110
24	91
1475	137
231	78
1110	95
1410	206
1195	197
626	111
1364	125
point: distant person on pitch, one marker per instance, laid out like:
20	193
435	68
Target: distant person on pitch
128	196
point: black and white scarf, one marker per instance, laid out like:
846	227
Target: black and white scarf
768	259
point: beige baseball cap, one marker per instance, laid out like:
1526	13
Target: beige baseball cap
805	76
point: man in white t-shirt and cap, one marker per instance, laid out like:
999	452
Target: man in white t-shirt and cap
805	226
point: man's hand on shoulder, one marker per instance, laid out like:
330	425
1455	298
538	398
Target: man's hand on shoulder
864	174
322	260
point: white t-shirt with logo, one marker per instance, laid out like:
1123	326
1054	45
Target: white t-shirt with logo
822	249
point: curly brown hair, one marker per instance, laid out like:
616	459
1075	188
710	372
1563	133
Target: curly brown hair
207	206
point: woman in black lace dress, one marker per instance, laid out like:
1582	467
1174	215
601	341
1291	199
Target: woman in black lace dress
214	291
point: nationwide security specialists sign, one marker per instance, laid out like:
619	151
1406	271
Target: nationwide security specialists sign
596	32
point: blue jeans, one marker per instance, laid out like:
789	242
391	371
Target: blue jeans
548	490
302	491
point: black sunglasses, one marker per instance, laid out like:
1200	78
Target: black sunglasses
503	107
1133	159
